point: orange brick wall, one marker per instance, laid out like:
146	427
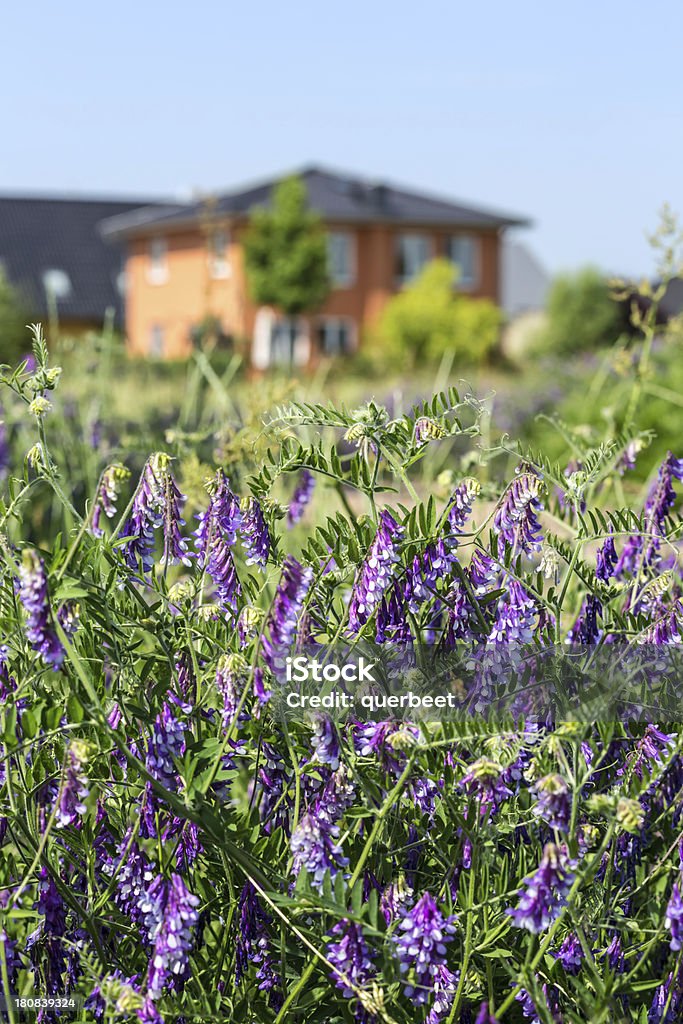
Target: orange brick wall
189	293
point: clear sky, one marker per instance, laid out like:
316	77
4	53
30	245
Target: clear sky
570	113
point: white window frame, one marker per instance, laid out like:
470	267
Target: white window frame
465	282
412	236
324	322
347	279
219	264
157	256
157	341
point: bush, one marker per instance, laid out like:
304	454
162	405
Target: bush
582	315
429	318
13	320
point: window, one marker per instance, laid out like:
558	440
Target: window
156	341
412	252
463	250
335	336
340	258
218	254
158	266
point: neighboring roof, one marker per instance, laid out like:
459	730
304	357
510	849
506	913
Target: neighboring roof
337	197
672	301
56	243
524	281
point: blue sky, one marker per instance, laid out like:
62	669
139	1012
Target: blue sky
570	114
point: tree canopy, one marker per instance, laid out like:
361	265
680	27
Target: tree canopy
285	252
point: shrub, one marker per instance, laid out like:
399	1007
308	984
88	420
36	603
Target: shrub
429	319
582	315
13	320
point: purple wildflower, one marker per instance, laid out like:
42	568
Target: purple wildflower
314	847
228	671
170	914
45	944
325	741
674	918
553	803
12	959
586	629
375	574
484	781
570	954
74	788
546	891
107	496
615	955
421	578
668	995
660	502
607	559
445	987
628	458
133	873
166	744
483	572
33	595
394	900
286	607
461	509
515	616
252	944
338	794
391	622
69	617
516	519
303	492
214	539
485	1016
255	535
261	693
350	957
426	429
157	504
421	946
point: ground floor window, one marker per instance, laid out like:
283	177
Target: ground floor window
335	336
156	341
282	342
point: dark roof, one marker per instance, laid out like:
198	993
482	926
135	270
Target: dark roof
39	235
337	197
672	301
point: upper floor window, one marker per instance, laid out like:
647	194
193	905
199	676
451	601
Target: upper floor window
218	254
412	253
463	250
157	271
341	258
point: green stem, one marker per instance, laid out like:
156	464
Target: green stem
467	952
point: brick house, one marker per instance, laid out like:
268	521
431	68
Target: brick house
185	264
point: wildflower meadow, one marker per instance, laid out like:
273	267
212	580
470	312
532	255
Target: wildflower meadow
174	847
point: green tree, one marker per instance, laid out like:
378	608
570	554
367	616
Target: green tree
285	252
430	318
582	315
14	337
